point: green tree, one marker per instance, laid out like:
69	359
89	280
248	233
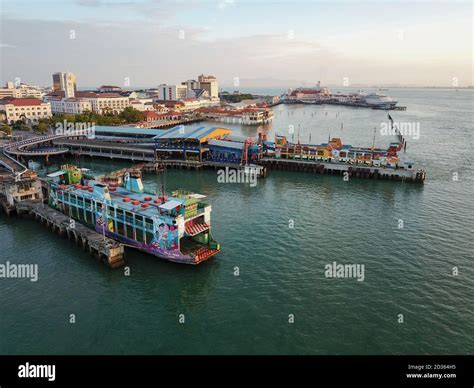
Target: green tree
42	128
131	115
7	129
20	125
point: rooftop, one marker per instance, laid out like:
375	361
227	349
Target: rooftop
23	101
226	143
153	209
127	130
202	134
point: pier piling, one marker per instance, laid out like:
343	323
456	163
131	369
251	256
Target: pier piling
105	249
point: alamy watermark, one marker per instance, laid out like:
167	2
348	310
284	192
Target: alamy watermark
247	175
75	129
28	370
19	271
345	271
402	128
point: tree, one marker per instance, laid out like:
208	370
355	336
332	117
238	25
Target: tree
107	110
131	115
42	128
7	129
20	125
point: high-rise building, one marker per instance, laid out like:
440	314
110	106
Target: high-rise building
65	82
209	84
172	92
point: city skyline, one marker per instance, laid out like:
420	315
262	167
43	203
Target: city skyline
152	42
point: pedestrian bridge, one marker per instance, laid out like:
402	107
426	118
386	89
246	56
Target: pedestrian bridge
22	148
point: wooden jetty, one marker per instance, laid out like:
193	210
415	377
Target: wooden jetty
105	249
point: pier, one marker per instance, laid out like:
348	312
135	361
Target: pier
145	153
110	150
131	152
351	104
171	123
105	249
357	171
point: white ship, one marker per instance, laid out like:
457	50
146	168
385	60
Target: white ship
378	100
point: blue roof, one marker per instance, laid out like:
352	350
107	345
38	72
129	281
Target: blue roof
182	132
127	130
226	144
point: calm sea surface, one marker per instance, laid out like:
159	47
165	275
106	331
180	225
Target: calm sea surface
408	271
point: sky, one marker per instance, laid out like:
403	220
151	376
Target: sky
259	43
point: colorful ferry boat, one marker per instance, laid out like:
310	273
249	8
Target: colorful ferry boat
176	228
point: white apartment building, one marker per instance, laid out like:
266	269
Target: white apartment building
30	110
69	105
107	102
172	92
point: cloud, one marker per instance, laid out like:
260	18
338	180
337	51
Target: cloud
152	53
225	3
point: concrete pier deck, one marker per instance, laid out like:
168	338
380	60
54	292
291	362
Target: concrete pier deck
105	249
352	170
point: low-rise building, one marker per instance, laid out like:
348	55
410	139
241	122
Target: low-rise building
14	191
170	105
109	89
72	105
317	93
247	116
21	91
29	110
193	103
150	116
142	104
103	103
160	108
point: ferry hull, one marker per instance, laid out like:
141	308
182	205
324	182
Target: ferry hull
170	255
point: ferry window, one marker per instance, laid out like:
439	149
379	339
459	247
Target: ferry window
129	217
149	237
120	228
140	236
149	223
138	219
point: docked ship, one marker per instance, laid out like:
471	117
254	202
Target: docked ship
378	100
175	228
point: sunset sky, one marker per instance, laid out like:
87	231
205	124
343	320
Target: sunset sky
263	43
